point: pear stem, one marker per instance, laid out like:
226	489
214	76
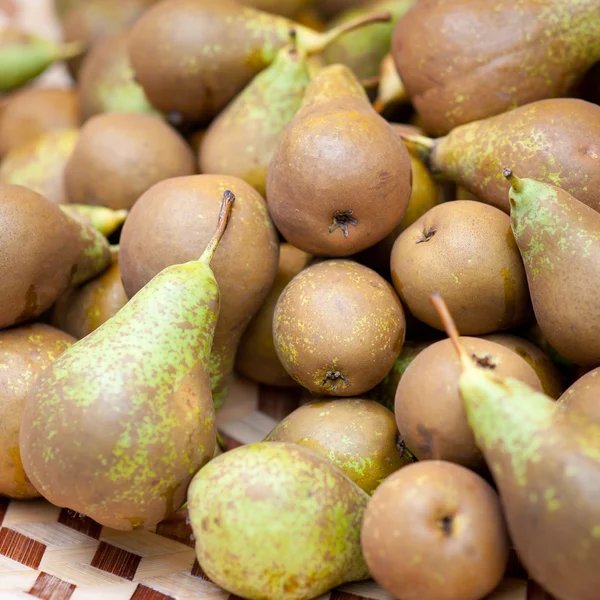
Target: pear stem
332	35
450	327
515	182
70	50
224	215
422	141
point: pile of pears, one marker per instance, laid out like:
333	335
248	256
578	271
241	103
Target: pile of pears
384	212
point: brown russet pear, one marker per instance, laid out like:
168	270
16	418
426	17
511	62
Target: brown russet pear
224	47
43	250
338	327
40	164
32	111
435	531
466	250
559	240
340	179
172	223
106	81
495	56
584	395
123	449
119	156
545	463
358	436
81	310
256	357
554	141
24	353
429	410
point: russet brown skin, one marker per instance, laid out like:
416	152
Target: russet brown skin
81	310
256	357
429	408
338	327
464	60
435	531
173	222
358	436
33	111
584	395
119	156
24	353
340	180
467	252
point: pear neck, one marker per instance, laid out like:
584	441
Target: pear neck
332	83
224	216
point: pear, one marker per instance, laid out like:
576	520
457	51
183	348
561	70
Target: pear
122	450
559	240
24	353
276	520
363	50
584	395
81	310
24	56
242	140
43	250
102	219
106	80
546	466
33	111
391	91
225	47
494	58
340	179
555	141
256	357
40	164
358	436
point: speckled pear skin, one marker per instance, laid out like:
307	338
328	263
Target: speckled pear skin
338	327
48	249
496	55
555	141
584	395
40	164
242	139
119	424
24	353
358	436
559	240
106	80
276	521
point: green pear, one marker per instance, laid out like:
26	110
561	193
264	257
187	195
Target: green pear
224	46
276	520
24	56
119	425
546	466
559	240
102	219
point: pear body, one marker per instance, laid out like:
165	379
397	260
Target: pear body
559	240
242	140
531	50
545	464
340	179
584	395
554	140
42	251
172	223
106	80
117	427
24	353
312	546
40	164
34	111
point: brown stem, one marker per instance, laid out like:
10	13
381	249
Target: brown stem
224	215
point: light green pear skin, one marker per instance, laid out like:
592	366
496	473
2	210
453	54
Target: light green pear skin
546	464
24	56
276	521
363	50
555	141
559	241
103	219
40	164
242	139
